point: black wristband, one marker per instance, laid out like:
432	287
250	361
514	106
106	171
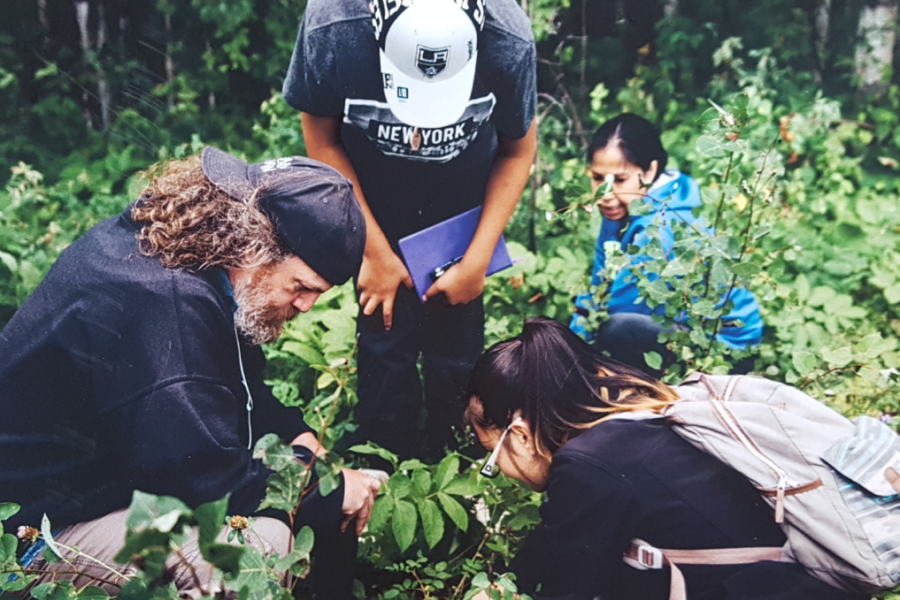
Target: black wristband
303	454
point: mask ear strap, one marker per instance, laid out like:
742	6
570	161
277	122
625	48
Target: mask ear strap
490	466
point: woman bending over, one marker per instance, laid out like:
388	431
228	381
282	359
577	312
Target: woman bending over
564	420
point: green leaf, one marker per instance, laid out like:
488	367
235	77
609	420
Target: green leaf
446	471
454	510
481	580
525	517
9	261
307	353
711	147
370	448
421	480
154	512
463	486
381	512
820	295
892	294
802	286
432	522
873	345
399	485
324	380
92	592
226	557
54	590
745	270
675	268
251	573
305	540
653	359
210	517
804	361
8	509
273	452
8	544
329	480
47	534
404	523
837	358
283	488
411	464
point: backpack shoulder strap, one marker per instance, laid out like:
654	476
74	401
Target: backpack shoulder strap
643	556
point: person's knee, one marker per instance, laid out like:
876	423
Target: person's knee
628	327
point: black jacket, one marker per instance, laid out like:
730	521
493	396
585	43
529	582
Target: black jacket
626	479
118	374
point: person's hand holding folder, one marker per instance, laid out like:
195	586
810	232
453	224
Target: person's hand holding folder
461	284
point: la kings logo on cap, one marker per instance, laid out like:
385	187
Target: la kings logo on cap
278	163
432	61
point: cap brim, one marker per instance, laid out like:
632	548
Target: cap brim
429	104
226	172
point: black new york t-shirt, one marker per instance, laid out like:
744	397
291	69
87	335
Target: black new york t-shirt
413	178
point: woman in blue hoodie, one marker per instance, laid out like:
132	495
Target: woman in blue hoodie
627	152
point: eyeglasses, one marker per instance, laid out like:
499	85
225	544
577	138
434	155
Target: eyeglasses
489	469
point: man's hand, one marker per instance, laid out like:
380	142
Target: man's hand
460	284
379	277
310	440
359	497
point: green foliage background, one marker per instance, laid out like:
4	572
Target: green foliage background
798	170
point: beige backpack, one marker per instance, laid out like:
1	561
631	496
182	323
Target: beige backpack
834	484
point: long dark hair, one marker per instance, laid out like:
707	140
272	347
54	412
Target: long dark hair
637	138
556	381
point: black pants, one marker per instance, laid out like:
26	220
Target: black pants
449	339
627	336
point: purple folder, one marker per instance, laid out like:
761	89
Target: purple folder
430	252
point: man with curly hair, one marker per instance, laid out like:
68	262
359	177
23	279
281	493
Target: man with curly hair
135	363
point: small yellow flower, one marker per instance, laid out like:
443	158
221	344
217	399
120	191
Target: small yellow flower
239	523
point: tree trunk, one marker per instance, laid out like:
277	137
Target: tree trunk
44	21
170	65
103	93
875	48
82	14
822	20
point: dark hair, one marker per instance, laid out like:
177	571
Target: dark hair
637	137
556	381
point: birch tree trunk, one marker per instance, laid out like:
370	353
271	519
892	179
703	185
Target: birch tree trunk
103	91
822	19
170	65
875	49
44	21
82	17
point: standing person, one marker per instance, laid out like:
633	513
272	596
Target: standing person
428	107
563	419
135	363
627	149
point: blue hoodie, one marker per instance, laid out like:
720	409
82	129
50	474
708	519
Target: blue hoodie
674	196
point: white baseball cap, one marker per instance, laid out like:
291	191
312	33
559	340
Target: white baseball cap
428	51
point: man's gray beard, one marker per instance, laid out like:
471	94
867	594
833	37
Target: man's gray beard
257	321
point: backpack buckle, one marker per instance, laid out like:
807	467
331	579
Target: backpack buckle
642	556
